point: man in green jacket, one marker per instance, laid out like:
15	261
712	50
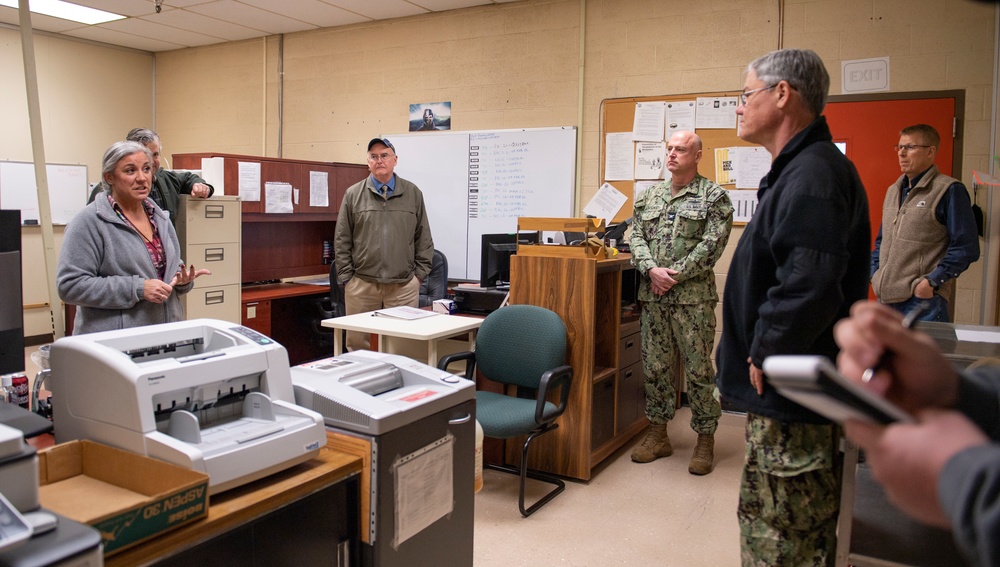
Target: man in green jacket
382	244
168	186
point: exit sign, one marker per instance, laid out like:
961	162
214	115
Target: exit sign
865	75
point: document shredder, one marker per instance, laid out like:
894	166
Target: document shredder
419	423
204	394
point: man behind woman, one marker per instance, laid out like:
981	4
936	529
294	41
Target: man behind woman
120	261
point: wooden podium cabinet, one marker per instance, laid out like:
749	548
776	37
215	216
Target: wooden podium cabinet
602	348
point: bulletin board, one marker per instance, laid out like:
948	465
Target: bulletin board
618	114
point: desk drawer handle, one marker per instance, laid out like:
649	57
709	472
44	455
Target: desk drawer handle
215	254
215	211
460	420
215	297
628	374
629	344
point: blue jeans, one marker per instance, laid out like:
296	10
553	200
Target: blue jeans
937	312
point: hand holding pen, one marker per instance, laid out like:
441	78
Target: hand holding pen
908	323
904	366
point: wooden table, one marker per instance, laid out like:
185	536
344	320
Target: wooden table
431	330
239	506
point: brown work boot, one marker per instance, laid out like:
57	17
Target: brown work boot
655	445
704	455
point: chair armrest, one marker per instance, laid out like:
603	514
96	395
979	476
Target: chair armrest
470	363
561	378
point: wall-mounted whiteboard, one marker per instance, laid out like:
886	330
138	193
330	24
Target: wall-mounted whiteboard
480	182
67	189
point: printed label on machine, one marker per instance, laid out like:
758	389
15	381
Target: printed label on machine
424	488
417	396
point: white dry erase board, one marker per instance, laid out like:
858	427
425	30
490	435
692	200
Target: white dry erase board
480	182
67	189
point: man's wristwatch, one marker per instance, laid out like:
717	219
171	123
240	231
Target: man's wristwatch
933	285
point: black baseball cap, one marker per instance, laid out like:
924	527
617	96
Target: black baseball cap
382	141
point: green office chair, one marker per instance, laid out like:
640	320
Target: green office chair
522	346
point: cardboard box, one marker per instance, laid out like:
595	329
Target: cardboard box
126	496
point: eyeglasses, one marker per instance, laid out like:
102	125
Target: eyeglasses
907	148
375	158
745	95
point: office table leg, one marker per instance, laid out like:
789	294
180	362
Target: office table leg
338	342
847	494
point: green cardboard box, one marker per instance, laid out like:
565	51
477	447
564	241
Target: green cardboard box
127	497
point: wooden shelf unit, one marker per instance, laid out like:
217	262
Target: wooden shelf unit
287	245
601	415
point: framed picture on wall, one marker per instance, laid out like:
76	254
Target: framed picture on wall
428	116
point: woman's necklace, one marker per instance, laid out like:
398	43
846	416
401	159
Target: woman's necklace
138	230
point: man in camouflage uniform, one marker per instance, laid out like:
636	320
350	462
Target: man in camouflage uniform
801	263
680	228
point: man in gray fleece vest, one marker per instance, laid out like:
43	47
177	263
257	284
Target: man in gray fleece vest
928	235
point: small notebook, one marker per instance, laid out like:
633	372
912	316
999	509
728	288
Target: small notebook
404	312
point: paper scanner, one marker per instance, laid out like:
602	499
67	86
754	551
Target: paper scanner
373	392
205	394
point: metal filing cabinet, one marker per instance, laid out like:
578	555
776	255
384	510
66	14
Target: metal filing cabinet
210	232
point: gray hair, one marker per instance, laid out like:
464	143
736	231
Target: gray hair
142	135
802	68
116	153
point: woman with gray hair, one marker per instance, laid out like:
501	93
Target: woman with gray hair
120	261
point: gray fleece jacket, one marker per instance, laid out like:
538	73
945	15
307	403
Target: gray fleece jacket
103	264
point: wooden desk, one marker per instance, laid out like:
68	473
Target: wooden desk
388	330
287	313
240	506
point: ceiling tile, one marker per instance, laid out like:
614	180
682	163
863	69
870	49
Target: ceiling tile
251	17
154	30
185	20
442	5
380	10
313	11
123	39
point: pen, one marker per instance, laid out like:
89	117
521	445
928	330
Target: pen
908	323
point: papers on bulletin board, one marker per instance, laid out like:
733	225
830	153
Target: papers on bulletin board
752	164
423	483
648	122
249	174
319	189
744	204
642	186
716	112
606	203
680	116
725	173
277	197
618	157
650	160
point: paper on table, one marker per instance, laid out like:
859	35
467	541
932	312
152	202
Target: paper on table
404	312
970	336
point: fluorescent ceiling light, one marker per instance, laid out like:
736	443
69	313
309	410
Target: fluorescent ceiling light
67	11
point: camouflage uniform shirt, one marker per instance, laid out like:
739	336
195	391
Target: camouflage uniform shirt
687	233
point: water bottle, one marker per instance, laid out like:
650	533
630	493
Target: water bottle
6	387
479	457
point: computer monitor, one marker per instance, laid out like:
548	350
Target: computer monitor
496	252
11	300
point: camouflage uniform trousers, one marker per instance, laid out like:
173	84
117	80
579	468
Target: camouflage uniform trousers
669	330
789	493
